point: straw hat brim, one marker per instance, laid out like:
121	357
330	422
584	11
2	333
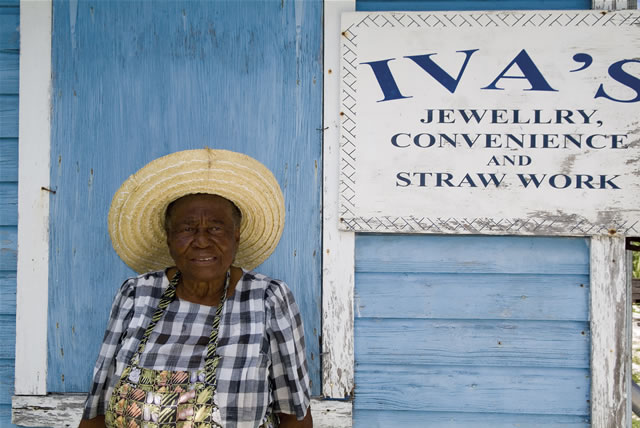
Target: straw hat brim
137	213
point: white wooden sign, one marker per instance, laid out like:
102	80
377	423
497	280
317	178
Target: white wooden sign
491	122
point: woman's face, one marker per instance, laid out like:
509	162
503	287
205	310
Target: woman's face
203	236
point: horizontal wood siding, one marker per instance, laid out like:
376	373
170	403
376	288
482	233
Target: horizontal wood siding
451	330
372	5
9	63
135	80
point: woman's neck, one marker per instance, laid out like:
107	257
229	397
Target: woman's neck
206	293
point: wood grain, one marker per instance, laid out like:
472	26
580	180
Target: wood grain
474	389
485	296
473	342
8	293
370	5
137	80
8	203
496	326
9	159
8	116
9	60
8	247
467	254
610	332
65	410
406	419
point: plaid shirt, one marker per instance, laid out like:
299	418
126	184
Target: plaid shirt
261	344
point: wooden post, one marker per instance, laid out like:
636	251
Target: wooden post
338	246
33	198
610	333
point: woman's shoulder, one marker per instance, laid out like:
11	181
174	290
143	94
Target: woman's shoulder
275	292
149	284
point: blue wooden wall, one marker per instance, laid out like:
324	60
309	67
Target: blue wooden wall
135	80
9	61
459	331
379	5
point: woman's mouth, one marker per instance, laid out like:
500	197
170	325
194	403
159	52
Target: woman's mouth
203	259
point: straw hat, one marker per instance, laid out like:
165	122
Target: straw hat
136	217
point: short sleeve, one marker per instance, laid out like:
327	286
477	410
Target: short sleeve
105	368
289	374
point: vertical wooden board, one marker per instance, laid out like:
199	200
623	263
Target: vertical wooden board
337	245
8	203
9	72
610	332
137	80
8	248
371	5
8	159
8	116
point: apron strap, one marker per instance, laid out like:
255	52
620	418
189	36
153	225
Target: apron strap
168	296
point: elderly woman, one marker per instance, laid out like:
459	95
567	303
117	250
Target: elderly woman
198	340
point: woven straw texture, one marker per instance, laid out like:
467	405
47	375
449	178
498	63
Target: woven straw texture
136	217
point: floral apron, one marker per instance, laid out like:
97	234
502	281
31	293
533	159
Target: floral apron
147	398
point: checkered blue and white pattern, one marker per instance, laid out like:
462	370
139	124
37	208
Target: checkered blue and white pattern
261	344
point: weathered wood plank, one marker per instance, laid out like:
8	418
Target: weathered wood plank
8	203
65	410
6	381
331	413
481	296
7	293
9	72
7	337
33	203
56	410
9	159
5	416
474	389
610	332
472	342
373	418
8	116
137	80
468	254
9	25
406	5
337	246
8	247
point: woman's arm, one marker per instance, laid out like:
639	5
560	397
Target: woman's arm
290	421
97	422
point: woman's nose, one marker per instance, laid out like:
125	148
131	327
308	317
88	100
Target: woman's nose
201	238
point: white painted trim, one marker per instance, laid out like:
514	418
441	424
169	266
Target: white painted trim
337	246
610	311
33	202
63	411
